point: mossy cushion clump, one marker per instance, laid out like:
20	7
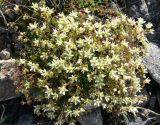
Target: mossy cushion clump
74	61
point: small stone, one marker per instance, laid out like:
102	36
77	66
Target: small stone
7	89
138	121
152	62
138	9
93	117
152	103
8	79
2	43
9	13
26	119
18	1
5	54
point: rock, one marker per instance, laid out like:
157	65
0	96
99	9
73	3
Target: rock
152	62
26	119
18	1
147	9
5	54
2	43
154	10
8	72
137	8
93	117
10	14
138	121
7	89
152	102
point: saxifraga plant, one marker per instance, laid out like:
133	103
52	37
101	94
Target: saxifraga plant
74	61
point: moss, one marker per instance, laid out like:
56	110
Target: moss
76	61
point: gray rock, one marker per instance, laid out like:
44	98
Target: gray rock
18	1
93	117
152	102
7	89
5	54
9	13
26	119
137	8
8	72
2	43
154	10
138	121
147	9
152	62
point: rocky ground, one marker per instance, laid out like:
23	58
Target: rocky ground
13	113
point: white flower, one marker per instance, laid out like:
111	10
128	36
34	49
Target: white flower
131	21
50	11
125	43
44	9
44	55
104	105
44	26
147	80
16	8
149	25
69	68
81	29
89	77
86	11
25	16
57	63
55	32
88	54
79	61
97	102
90	17
115	90
80	42
73	14
44	73
27	85
61	15
48	92
73	78
36	42
62	90
59	42
74	99
34	6
84	69
123	16
33	66
32	26
141	21
22	61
